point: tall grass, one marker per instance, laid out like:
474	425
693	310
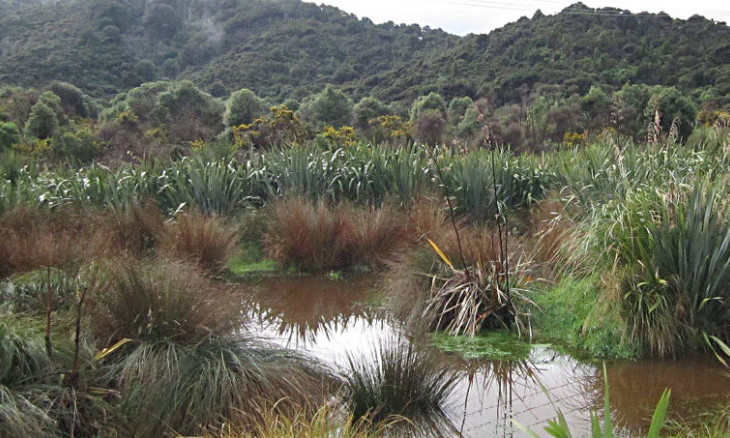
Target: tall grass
313	236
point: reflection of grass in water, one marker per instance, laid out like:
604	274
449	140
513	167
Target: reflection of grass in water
497	345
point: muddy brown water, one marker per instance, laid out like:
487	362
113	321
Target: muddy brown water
331	319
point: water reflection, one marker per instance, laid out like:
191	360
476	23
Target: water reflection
329	320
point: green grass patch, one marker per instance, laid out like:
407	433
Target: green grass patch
250	260
569	317
495	345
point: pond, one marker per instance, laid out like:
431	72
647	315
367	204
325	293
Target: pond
331	319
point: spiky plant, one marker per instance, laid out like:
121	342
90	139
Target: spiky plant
397	380
169	388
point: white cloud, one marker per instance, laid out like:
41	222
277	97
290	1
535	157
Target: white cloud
481	16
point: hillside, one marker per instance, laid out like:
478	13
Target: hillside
286	48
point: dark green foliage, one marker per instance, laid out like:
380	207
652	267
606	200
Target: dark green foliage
369	108
80	147
331	107
9	135
299	48
73	100
42	122
242	108
673	107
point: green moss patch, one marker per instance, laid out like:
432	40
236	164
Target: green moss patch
494	345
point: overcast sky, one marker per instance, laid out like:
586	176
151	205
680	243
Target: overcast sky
480	16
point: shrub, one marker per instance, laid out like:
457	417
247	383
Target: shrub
9	135
242	108
207	241
400	380
42	122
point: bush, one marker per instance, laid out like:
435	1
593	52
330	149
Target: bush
242	108
42	122
9	135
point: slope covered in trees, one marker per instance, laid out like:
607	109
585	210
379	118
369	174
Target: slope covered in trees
289	49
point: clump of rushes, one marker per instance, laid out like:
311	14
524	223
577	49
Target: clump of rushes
207	241
399	380
164	300
191	389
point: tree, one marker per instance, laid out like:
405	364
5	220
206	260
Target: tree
429	127
242	108
672	105
331	107
431	102
42	122
630	103
428	118
596	105
9	135
71	98
458	107
369	108
470	126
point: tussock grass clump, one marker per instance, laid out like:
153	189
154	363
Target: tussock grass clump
308	236
401	381
164	300
23	356
134	229
169	388
314	237
31	238
377	233
207	241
